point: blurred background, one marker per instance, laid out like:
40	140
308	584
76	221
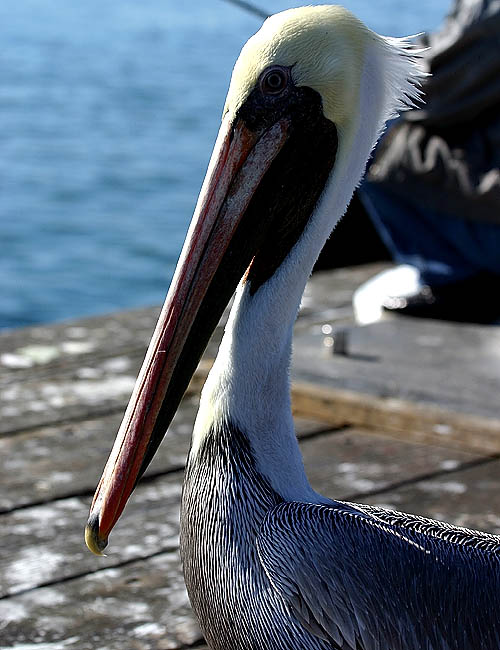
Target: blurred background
108	113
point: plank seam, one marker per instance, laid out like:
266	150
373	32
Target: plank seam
465	465
83	574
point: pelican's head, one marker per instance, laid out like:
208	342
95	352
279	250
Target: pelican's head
320	48
308	98
326	49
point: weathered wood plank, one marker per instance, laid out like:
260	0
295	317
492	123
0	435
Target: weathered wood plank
64	380
45	543
142	606
67	459
417	422
114	331
62	460
469	497
43	364
75	393
356	462
445	365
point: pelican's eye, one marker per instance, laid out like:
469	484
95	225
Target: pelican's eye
275	80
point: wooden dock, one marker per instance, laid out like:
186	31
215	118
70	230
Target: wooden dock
406	416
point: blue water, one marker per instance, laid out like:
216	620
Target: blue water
108	113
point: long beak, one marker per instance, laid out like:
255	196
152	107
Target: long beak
217	250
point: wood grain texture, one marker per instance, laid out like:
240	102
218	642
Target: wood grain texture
449	366
415	421
141	606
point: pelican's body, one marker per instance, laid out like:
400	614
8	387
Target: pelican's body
267	573
269	563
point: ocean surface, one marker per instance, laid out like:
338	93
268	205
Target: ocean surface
108	113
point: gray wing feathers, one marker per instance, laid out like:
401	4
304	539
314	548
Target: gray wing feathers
362	578
431	527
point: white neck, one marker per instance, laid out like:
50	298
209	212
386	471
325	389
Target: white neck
249	384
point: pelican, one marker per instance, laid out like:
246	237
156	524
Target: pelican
269	564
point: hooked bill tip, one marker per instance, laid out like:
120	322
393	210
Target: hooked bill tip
94	542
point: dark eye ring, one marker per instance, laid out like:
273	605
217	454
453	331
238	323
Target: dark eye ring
274	81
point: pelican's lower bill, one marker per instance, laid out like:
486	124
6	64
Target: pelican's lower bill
269	563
